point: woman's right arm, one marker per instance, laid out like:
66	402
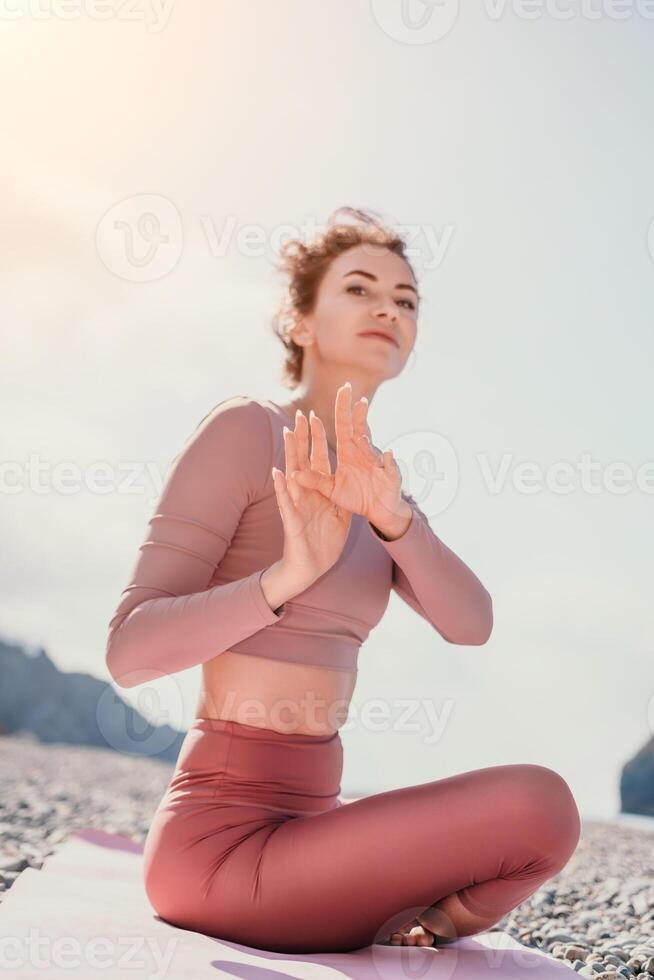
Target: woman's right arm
168	619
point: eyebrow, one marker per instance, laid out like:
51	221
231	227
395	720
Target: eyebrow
369	275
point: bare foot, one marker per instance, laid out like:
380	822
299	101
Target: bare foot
412	934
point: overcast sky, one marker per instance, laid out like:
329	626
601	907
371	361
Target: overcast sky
516	153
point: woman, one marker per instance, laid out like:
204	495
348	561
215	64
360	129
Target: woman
270	573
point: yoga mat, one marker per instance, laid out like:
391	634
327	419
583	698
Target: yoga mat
85	914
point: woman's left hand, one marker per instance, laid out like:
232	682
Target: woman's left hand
366	481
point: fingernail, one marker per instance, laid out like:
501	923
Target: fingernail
312	414
364	399
348	384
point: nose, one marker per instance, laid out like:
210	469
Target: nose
388	314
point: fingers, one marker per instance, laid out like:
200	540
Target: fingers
361	431
296	444
315	480
360	418
290	455
284	500
352	422
319	446
290	451
371	454
343	417
301	440
388	461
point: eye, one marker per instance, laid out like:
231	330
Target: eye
411	306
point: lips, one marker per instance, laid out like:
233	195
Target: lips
381	334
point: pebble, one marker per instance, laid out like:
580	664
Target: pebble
596	915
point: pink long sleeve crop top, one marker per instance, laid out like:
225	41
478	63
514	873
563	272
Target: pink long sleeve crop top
195	589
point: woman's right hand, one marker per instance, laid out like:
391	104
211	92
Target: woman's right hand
315	530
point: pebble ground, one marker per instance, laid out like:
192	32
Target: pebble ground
596	916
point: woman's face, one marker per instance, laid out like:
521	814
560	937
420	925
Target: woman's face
364	289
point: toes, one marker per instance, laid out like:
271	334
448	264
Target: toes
415	936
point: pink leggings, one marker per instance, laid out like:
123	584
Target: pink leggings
252	844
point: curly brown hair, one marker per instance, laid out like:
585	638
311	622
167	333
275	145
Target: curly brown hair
305	267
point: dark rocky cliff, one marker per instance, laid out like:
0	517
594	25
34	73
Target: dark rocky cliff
637	782
74	708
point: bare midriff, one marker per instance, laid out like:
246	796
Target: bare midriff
285	697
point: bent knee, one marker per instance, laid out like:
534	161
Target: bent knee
545	800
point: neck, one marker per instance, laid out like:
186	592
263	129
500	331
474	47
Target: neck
323	402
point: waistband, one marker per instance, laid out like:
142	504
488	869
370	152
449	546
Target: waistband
256	733
229	762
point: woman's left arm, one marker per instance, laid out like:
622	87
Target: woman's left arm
436	583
